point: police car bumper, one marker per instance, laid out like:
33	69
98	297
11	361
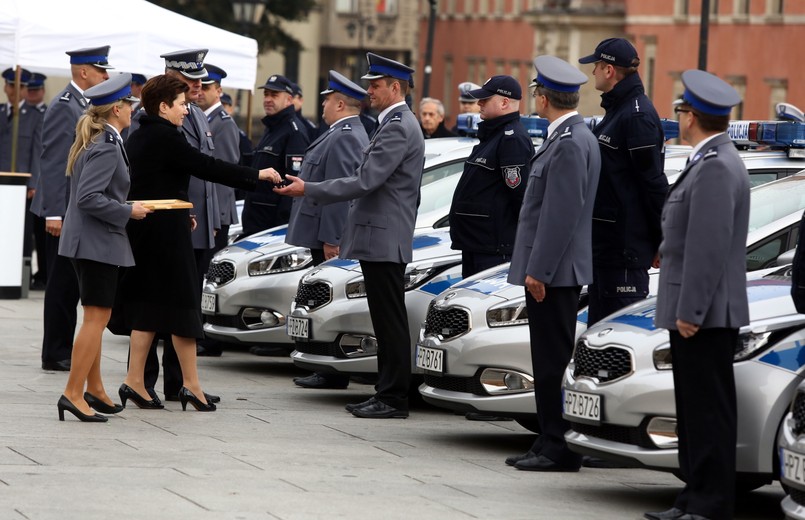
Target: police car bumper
791	453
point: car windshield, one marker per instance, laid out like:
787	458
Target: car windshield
776	200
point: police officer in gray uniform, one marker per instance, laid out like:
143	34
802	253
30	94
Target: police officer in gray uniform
553	251
88	68
702	298
380	227
335	154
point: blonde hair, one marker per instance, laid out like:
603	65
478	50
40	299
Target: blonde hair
89	126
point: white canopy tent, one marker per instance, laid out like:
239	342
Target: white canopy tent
36	33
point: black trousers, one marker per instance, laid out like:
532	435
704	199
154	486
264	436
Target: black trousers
386	296
704	389
614	288
61	305
472	262
552	325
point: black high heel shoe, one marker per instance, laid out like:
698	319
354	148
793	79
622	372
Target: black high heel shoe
126	392
66	404
100	406
186	396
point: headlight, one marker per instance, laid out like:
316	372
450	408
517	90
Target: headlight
414	277
292	261
749	343
662	357
509	313
356	288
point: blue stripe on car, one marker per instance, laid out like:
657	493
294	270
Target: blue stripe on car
787	356
437	286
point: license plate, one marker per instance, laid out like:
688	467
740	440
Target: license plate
792	467
430	359
208	302
582	406
297	327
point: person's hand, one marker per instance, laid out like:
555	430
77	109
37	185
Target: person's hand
331	251
193	223
138	211
296	188
656	262
53	227
270	174
686	329
31	193
535	288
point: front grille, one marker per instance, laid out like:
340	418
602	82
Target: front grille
220	273
798	412
318	348
607	364
470	385
221	320
610	432
313	295
447	323
797	495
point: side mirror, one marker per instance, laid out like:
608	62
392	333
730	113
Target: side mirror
786	258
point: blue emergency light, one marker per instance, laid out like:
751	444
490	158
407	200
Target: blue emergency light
778	134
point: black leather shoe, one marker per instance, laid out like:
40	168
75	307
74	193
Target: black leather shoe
209	397
352	407
100	406
58	366
66	404
379	410
514	459
671	514
186	396
322	381
595	462
543	463
126	392
208	351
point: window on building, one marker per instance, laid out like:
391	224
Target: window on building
387	7
481	72
500	68
739	84
346	6
778	93
681	7
449	91
713	6
498	7
741	7
774	7
472	70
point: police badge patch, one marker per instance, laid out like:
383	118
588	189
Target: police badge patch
513	177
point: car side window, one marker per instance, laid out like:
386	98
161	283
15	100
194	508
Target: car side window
442	171
763	254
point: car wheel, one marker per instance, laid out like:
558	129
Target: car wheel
530	424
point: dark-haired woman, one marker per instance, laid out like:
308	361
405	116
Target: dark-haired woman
161	294
94	236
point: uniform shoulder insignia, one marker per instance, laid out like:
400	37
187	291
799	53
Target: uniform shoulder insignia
712	152
293	124
568	132
110	137
41	109
65	97
396	116
510	131
346	128
224	115
636	105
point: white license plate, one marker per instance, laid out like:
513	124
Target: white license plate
298	327
430	359
582	406
208	302
792	467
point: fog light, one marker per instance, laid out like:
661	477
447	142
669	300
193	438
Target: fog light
499	381
662	357
662	432
358	346
254	318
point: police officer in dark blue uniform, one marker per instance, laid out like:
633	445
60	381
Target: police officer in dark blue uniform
282	147
486	203
298	101
632	187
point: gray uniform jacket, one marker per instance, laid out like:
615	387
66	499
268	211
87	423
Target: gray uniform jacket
336	153
381	219
58	134
95	225
554	233
226	136
703	250
29	140
200	192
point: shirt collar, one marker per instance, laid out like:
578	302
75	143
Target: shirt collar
113	129
559	120
79	89
212	109
701	145
345	117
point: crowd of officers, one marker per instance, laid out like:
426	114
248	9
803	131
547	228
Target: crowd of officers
587	208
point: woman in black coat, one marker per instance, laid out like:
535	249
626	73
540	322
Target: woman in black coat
161	293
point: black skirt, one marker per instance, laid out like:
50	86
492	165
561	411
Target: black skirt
97	282
161	293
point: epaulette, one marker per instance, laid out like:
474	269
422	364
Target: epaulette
346	128
65	97
567	133
396	116
636	105
110	137
224	115
510	131
41	109
293	124
712	152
